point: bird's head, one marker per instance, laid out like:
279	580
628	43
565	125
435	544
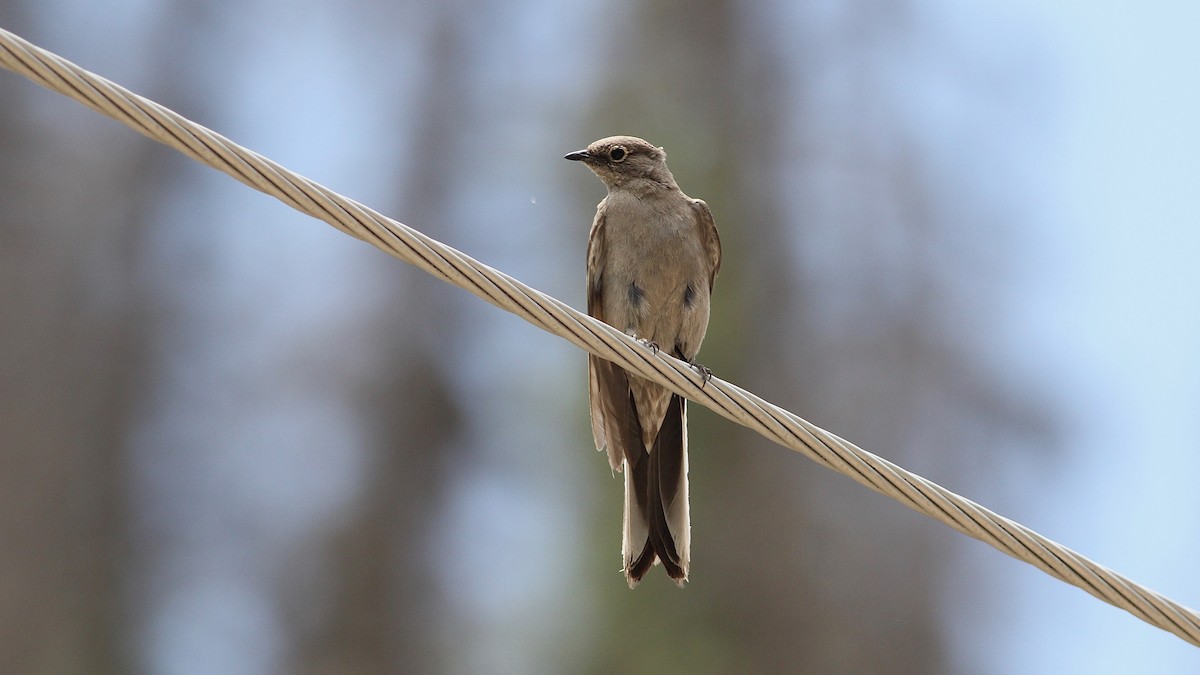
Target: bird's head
620	161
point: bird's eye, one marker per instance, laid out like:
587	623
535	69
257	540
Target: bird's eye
617	154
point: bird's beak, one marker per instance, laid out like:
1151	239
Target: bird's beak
577	156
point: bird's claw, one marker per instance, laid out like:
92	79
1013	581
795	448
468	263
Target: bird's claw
652	345
705	372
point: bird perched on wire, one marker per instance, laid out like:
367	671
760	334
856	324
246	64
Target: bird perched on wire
653	254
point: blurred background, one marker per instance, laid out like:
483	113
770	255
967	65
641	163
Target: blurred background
233	440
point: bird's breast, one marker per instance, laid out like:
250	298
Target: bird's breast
655	275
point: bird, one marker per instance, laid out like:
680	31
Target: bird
653	255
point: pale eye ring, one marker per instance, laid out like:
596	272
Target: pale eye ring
617	153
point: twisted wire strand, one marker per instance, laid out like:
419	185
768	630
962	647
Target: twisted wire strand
554	316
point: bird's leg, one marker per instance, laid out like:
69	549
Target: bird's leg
705	372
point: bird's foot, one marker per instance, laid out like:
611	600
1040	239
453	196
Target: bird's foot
705	372
648	343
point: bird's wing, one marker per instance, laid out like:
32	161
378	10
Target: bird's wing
708	235
608	386
596	258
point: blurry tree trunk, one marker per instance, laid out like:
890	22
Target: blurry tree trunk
70	212
389	613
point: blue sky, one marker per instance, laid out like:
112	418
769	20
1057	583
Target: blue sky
1115	303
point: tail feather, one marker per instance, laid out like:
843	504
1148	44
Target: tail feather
657	520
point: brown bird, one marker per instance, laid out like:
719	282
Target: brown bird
653	254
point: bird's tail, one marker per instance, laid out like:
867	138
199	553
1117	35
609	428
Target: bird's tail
657	522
